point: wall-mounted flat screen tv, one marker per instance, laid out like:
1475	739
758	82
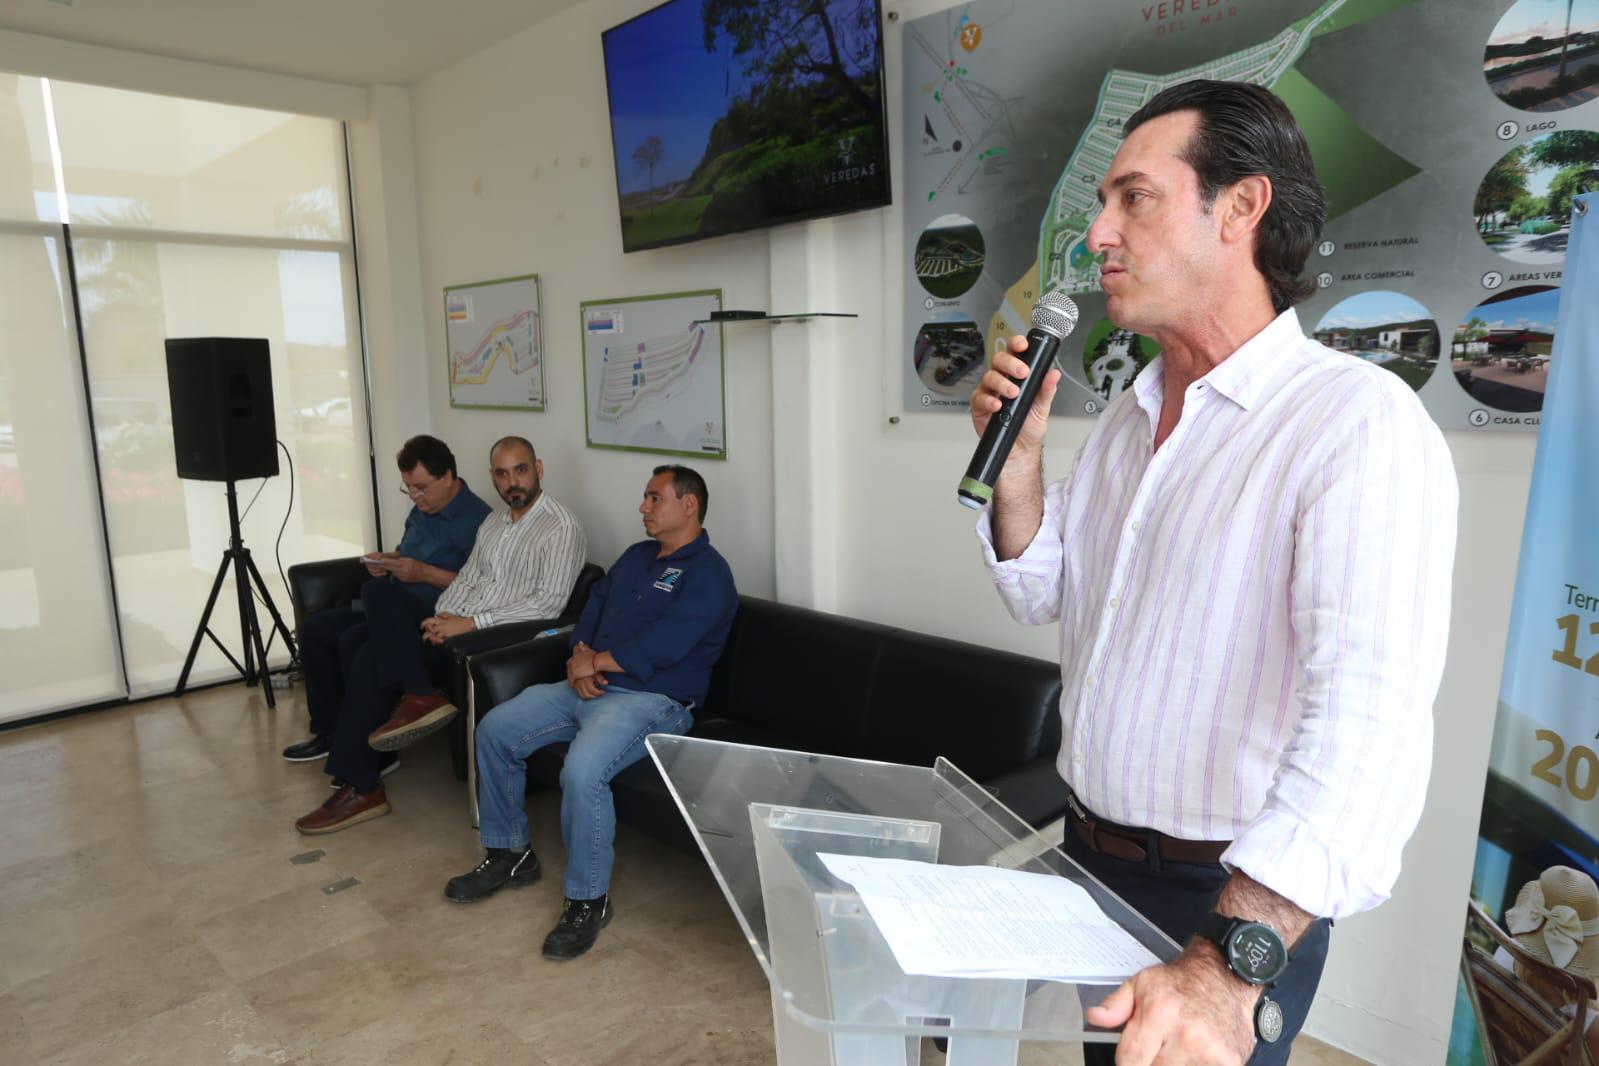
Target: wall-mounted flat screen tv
728	115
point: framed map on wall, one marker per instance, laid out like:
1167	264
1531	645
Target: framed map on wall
653	378
493	330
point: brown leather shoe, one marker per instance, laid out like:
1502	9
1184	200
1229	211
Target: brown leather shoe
414	717
344	808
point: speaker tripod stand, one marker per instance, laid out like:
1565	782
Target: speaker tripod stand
237	558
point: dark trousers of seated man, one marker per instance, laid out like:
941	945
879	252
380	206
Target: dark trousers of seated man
1175	898
328	643
392	661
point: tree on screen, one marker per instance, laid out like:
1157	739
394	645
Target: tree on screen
780	39
648	155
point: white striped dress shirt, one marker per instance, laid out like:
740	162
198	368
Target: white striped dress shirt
521	570
1253	617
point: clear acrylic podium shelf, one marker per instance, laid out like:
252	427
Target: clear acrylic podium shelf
761	816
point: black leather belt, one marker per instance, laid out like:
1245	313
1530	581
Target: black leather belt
1138	845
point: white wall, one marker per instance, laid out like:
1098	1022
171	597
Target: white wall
515	176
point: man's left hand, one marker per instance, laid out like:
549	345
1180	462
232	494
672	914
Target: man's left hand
403	568
1191	1010
443	626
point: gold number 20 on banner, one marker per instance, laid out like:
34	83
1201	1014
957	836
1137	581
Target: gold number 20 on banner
1582	766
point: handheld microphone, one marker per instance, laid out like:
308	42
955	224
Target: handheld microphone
1054	317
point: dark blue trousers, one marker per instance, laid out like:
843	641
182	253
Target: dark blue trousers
393	660
328	643
1176	898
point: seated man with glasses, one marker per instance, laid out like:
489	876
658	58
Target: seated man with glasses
523	564
439	533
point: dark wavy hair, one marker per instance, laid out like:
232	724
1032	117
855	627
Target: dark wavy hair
1244	131
432	453
687	482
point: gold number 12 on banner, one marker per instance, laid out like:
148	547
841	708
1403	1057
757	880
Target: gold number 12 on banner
1567	656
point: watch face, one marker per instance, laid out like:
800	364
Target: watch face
1257	953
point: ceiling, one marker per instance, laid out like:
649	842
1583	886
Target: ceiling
353	41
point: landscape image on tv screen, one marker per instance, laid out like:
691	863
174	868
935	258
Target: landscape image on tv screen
728	115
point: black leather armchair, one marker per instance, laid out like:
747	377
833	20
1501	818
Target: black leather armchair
809	681
337	583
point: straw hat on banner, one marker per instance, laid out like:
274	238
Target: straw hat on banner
1556	920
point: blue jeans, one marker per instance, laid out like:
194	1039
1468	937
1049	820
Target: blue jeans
607	735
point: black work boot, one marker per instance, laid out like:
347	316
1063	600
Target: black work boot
500	867
578	928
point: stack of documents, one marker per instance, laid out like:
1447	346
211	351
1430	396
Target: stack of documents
981	921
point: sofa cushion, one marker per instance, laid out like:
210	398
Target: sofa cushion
803	674
986	711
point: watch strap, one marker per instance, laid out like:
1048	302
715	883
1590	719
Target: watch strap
1214	928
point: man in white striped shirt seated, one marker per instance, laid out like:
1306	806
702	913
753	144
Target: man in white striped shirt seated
522	567
1250	563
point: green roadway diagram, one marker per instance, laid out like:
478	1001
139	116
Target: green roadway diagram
1353	167
631	374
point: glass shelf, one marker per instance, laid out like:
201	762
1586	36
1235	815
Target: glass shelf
762	316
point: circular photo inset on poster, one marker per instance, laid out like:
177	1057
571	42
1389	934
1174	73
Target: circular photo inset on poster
949	256
1501	351
1523	204
1113	357
1385	328
1544	56
949	356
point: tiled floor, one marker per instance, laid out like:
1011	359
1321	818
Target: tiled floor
150	913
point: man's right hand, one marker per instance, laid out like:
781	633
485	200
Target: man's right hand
999	384
580	665
411	571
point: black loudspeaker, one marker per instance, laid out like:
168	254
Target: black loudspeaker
223	427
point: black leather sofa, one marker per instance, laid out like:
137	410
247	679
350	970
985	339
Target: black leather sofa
809	681
337	583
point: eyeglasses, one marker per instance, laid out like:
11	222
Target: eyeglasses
420	490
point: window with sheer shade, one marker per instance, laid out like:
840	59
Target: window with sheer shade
184	218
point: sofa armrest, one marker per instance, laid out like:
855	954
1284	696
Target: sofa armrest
1034	791
479	641
326	583
502	673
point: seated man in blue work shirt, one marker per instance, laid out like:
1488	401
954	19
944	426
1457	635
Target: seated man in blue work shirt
641	659
439	533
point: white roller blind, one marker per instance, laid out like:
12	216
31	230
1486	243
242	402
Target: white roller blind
185	218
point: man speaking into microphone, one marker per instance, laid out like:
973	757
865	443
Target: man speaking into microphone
1250	563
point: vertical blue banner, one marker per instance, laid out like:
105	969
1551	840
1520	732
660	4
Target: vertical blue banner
1531	949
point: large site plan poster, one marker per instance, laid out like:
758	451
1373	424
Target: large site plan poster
493	332
652	374
1450	136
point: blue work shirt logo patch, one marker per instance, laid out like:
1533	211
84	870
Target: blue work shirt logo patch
668	579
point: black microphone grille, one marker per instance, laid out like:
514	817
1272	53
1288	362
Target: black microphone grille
1055	313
